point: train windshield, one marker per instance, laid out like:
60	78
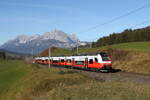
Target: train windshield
105	57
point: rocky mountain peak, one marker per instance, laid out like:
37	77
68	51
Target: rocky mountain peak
55	35
74	37
22	38
24	43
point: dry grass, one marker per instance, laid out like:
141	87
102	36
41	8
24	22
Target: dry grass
95	91
134	62
40	81
65	84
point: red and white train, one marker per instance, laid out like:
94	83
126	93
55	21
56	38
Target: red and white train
99	62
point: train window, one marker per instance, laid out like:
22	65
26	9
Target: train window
96	60
69	60
91	61
55	61
105	57
80	62
103	54
62	60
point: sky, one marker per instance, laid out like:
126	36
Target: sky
71	16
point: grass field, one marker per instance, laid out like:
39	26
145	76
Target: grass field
22	81
132	46
10	73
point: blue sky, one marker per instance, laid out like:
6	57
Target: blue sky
71	16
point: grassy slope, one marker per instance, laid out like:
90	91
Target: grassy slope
66	84
56	52
20	81
132	46
137	60
10	73
135	46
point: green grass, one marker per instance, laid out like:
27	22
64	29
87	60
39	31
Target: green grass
63	52
10	73
40	81
135	46
132	46
21	81
100	91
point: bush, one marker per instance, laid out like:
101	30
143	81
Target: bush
117	54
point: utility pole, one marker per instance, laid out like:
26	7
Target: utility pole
32	53
77	46
49	65
91	44
38	52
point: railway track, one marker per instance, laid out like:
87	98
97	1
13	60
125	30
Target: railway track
120	76
113	76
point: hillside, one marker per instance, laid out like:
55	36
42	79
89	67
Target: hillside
130	57
23	81
132	46
128	35
5	54
54	51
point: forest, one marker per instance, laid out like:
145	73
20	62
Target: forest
128	35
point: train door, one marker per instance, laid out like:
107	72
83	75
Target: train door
90	64
86	62
73	63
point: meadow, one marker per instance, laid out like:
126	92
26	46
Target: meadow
130	46
23	81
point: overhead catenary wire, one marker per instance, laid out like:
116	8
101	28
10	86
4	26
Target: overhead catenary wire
139	24
144	22
118	18
115	19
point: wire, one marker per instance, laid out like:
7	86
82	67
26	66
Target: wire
140	24
115	19
144	22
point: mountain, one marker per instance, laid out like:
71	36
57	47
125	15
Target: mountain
37	43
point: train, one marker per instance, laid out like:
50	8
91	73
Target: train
98	62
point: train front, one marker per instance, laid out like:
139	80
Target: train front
106	62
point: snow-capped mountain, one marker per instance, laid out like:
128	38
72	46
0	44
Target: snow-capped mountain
37	43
